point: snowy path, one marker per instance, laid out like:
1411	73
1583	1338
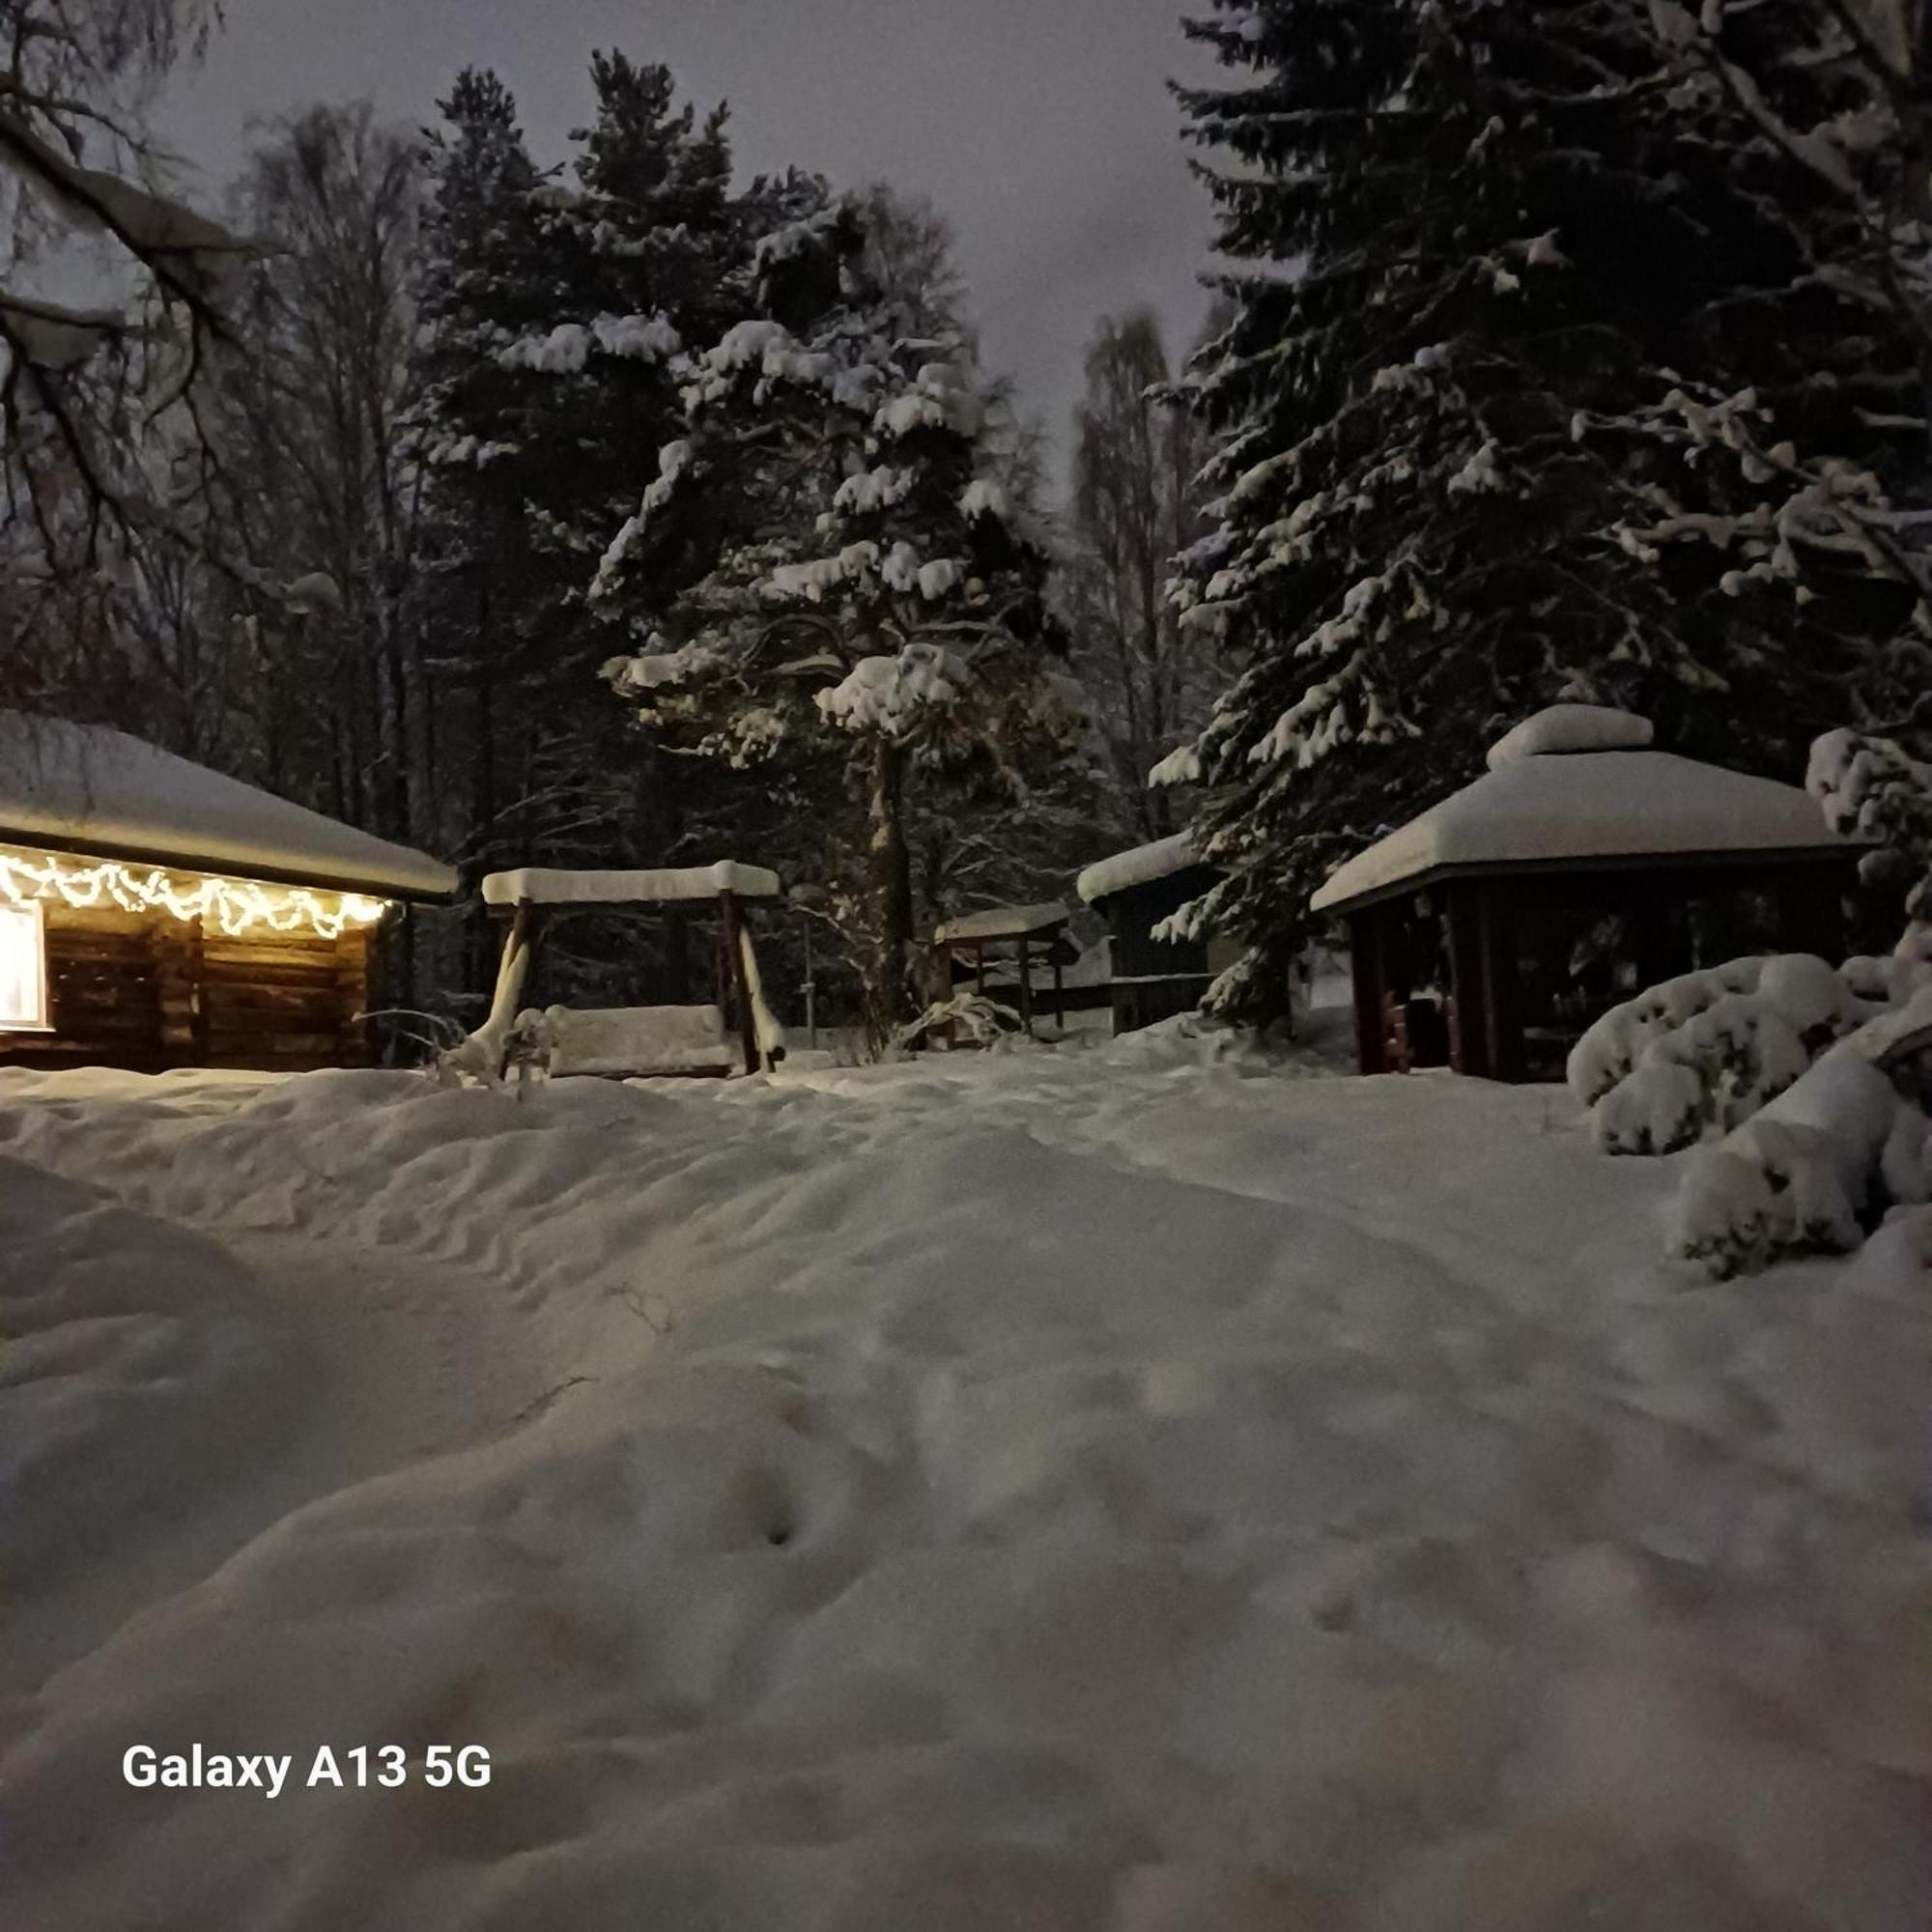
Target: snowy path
370	1363
1057	1492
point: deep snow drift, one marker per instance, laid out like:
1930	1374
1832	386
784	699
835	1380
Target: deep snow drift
1120	1489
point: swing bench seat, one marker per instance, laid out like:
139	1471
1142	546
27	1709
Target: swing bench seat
636	1042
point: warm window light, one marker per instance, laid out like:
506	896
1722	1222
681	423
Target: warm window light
23	970
232	907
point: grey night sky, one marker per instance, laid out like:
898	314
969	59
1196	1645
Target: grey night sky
1042	127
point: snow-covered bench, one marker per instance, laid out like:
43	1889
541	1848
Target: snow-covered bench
619	1042
623	1041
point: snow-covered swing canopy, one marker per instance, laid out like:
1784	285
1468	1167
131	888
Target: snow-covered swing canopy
629	1041
1490	932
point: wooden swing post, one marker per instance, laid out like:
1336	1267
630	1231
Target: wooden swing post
734	948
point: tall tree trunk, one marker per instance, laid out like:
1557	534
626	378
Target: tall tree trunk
485	791
664	822
890	886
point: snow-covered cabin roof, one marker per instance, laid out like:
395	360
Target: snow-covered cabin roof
543	886
1141	867
1588	800
1001	922
83	788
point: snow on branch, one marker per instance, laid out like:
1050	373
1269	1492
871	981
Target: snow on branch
77	385
53	337
1822	513
1872	787
190	258
895	696
566	349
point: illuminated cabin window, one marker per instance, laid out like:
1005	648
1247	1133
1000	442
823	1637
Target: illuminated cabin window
23	970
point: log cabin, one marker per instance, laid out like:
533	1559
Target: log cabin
155	914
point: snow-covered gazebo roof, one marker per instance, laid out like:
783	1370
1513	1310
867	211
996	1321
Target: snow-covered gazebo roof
82	788
1144	866
1579	785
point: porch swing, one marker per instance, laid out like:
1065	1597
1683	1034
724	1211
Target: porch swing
627	1043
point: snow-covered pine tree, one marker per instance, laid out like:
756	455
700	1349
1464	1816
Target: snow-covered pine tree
1479	241
1826	107
1821	116
991	843
824	581
644	249
650	243
483	284
555	311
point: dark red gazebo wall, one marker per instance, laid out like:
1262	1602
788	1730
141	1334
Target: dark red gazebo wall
1499	974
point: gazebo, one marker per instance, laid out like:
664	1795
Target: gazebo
1488	933
1021	937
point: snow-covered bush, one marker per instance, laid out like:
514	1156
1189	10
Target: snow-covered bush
1875	789
1707	1049
1816	1077
1797	1177
971	1017
1811	1075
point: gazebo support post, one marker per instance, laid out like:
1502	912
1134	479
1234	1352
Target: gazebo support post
1814	911
734	948
677	956
939	989
1472	1035
1502	1000
1026	986
512	974
1365	966
1059	989
1661	925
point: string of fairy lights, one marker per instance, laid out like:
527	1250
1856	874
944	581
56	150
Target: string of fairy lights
232	907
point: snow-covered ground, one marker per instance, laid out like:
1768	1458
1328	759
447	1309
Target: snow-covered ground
1121	1489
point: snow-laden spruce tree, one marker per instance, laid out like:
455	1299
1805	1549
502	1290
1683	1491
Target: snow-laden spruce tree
1481	249
484	283
1821	113
1809	1081
553	309
825	579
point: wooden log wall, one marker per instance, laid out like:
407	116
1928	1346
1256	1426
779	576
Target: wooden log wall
147	991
